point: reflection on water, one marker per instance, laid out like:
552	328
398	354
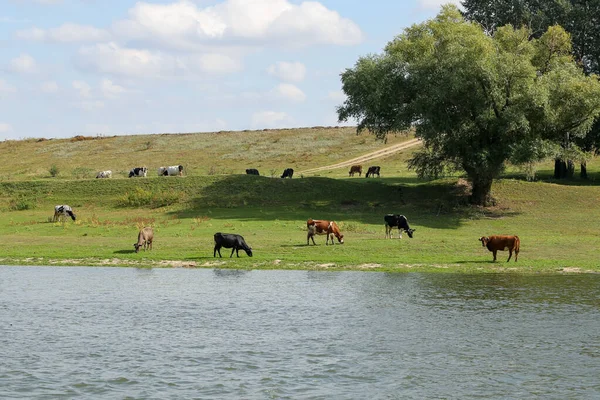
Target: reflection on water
180	333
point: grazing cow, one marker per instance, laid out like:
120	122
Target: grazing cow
373	171
323	227
230	241
396	220
355	169
138	171
145	238
104	174
170	171
502	243
63	211
252	171
288	173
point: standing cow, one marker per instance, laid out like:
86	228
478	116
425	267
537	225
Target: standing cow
288	173
145	239
138	172
355	169
399	221
230	241
171	170
323	227
373	171
252	171
104	174
62	211
497	243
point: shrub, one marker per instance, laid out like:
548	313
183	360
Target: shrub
141	197
21	203
83	172
54	170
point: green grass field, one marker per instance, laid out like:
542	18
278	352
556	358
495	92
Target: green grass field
557	222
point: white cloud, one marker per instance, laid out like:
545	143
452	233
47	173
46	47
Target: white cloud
6	88
288	71
5	128
110	58
111	90
435	4
90	105
83	88
289	92
66	33
337	96
49	2
183	25
23	64
269	119
49	87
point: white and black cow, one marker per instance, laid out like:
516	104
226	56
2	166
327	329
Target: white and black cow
288	173
171	170
230	241
399	221
62	211
138	171
104	174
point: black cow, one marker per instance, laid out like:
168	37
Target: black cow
373	171
396	220
288	173
230	241
252	171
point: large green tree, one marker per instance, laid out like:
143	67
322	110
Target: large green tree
581	18
474	99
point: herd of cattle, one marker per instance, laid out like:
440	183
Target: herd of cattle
314	227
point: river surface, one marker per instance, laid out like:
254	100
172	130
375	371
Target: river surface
125	333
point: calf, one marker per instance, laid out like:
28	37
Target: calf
502	243
323	227
355	169
171	170
396	220
145	238
288	173
373	171
104	174
252	171
138	171
230	241
63	211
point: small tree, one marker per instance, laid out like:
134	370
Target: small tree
474	99
54	171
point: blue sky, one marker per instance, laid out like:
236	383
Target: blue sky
119	67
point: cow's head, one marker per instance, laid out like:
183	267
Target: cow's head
249	251
484	240
137	247
340	238
409	232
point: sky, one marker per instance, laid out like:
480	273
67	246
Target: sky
121	67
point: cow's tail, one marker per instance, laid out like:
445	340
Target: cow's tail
517	244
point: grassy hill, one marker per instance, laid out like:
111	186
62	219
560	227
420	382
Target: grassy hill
555	221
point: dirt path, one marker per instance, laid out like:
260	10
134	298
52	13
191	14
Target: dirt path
367	157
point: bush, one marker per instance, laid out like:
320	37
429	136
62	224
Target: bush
82	172
53	170
141	197
21	203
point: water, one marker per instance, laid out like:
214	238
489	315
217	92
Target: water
118	333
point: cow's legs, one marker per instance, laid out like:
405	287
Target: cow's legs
509	255
516	255
399	233
232	250
217	249
388	231
495	251
310	236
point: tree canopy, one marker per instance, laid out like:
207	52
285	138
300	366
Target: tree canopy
476	100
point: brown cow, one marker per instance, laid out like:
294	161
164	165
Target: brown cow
145	238
323	227
355	169
502	242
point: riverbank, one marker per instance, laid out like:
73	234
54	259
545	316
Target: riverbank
557	224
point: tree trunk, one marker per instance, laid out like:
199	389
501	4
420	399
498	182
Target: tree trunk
570	169
560	169
482	192
584	174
